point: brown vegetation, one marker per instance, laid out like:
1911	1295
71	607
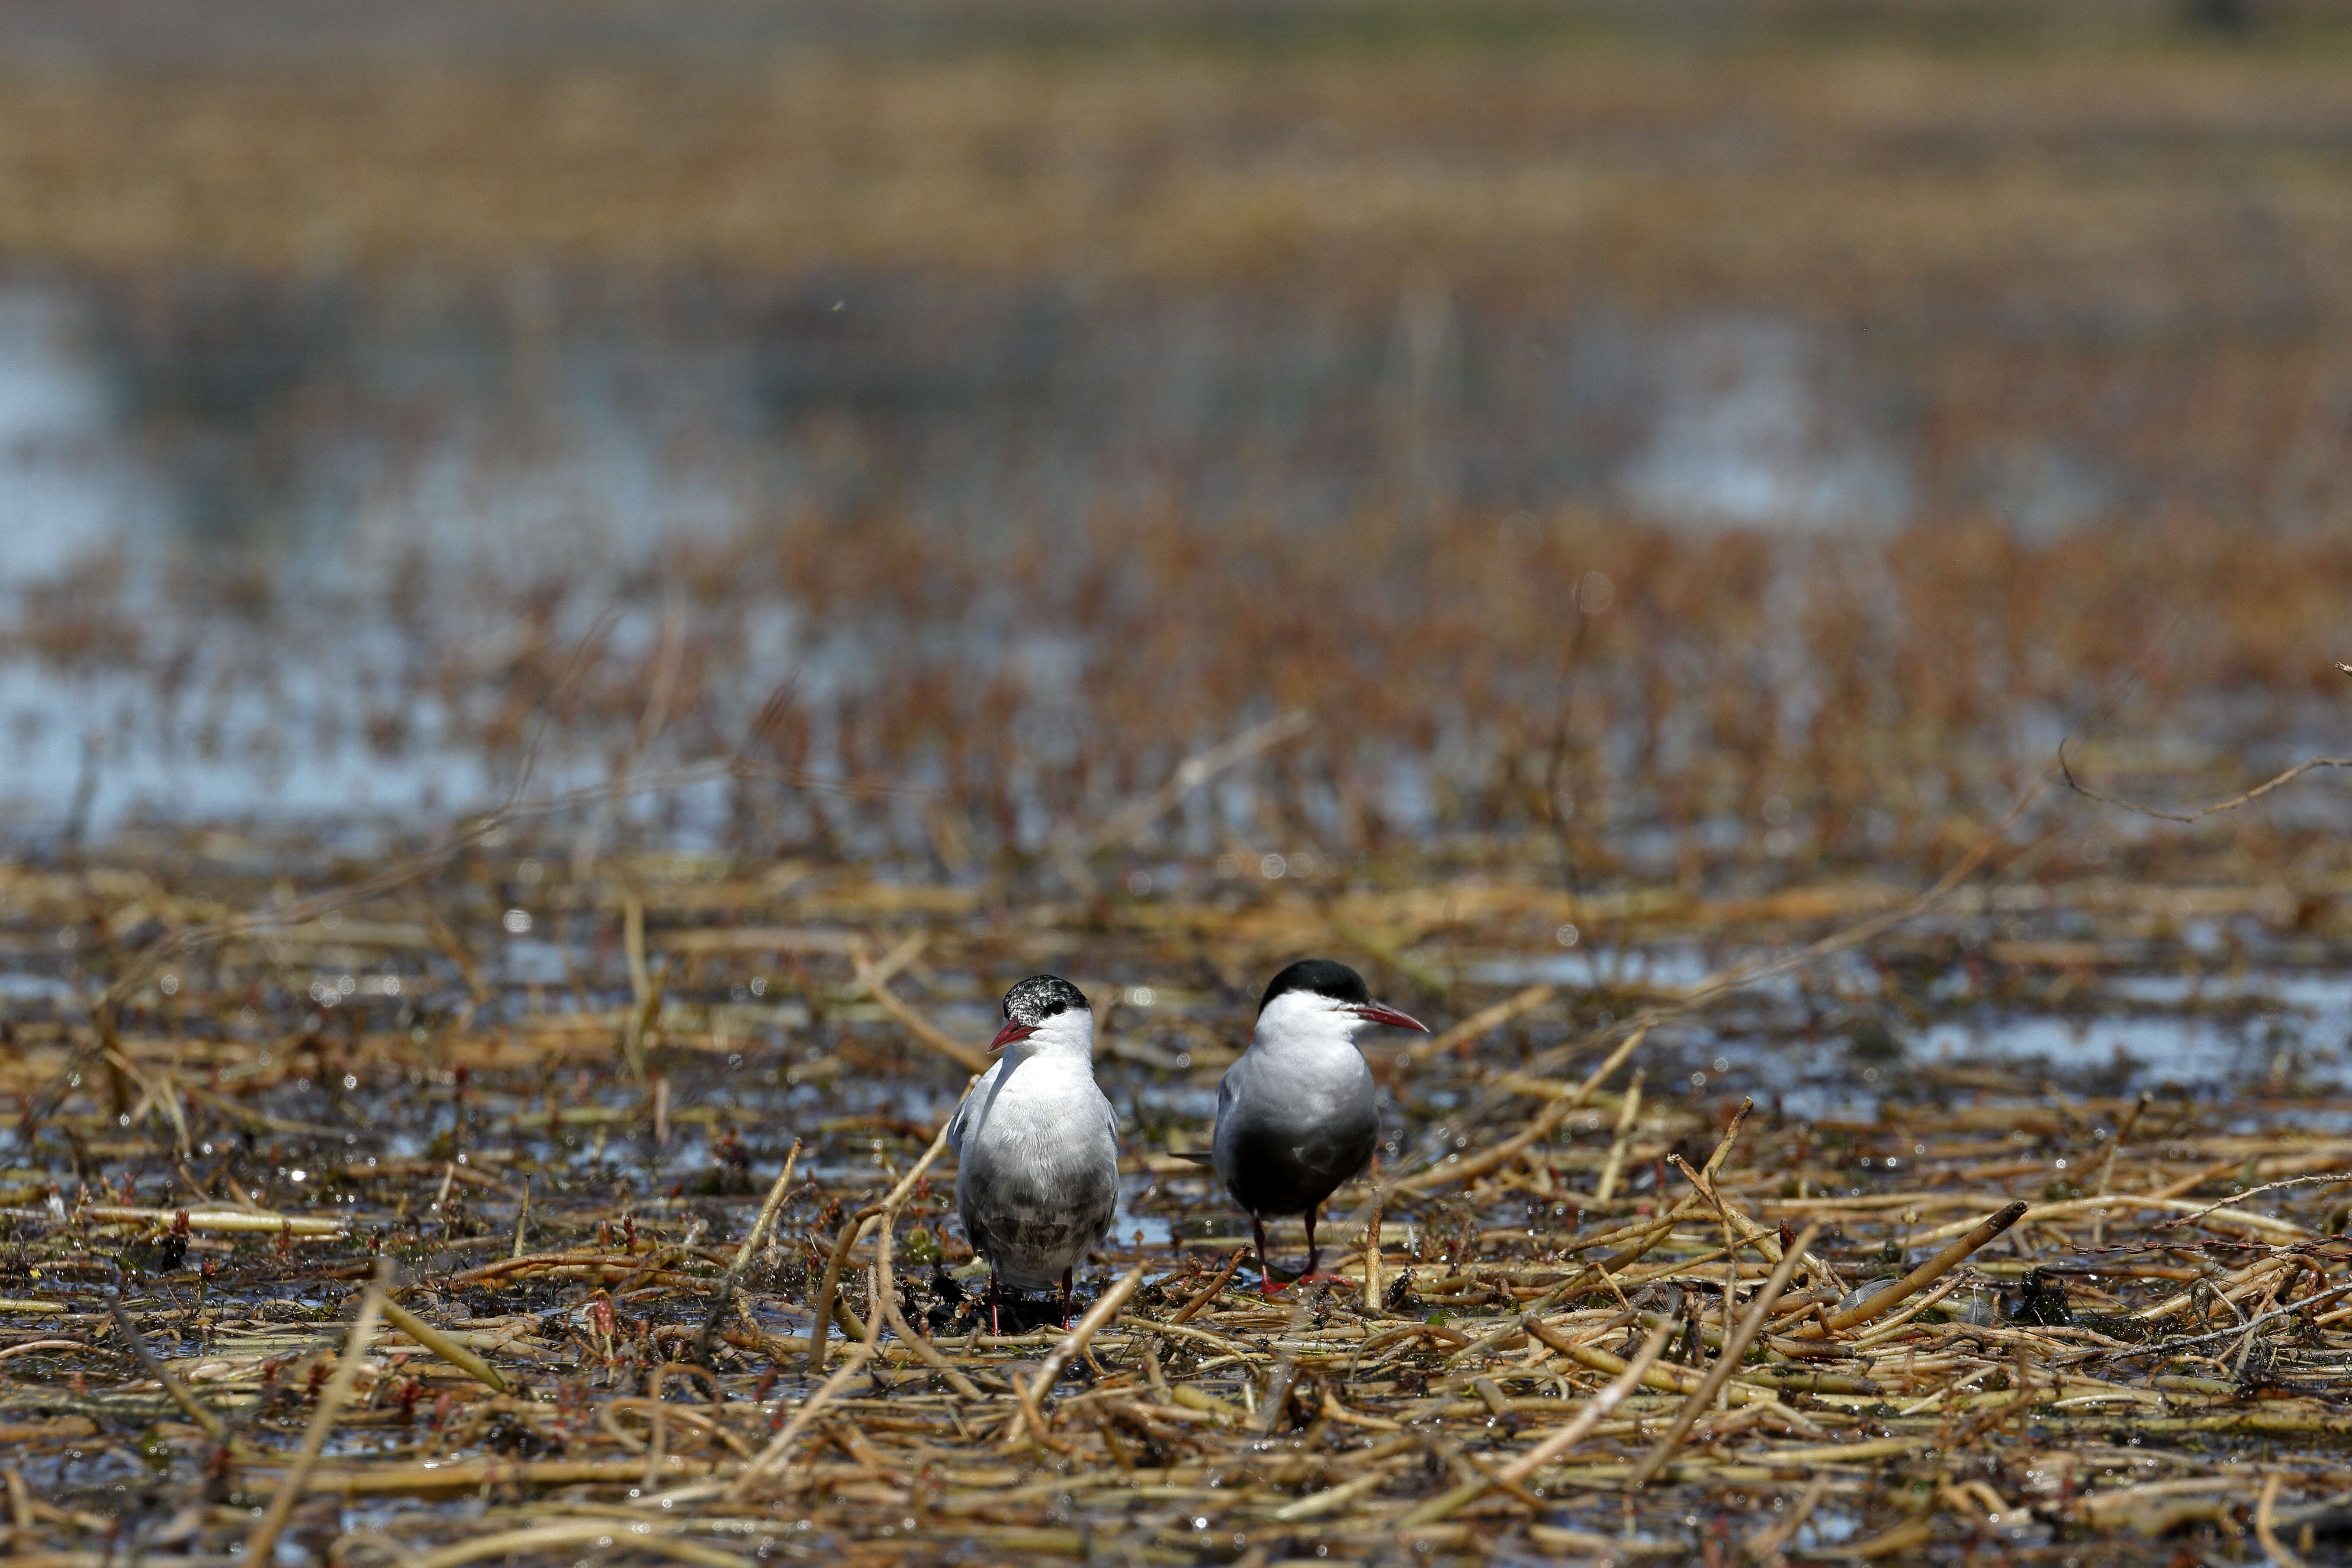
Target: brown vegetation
2145	1338
2158	183
392	1191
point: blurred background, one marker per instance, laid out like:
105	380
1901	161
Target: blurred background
1696	439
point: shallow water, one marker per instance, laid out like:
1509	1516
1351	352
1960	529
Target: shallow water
306	525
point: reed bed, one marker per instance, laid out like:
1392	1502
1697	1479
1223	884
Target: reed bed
1609	697
1841	1139
386	1230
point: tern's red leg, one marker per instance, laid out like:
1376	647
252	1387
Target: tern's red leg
1264	1278
994	1327
1065	1300
1314	1274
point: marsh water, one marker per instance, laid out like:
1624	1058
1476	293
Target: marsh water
262	544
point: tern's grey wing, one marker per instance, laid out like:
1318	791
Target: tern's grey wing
1229	1089
966	1114
1230	1094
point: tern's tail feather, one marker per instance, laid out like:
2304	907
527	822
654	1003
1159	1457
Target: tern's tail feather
1197	1156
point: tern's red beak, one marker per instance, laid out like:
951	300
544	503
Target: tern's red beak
1010	1033
1373	1013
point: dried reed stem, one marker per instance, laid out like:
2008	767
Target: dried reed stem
263	1538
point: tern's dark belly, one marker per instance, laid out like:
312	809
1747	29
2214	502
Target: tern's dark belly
1271	1168
1031	1224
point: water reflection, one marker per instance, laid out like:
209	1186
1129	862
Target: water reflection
1747	434
71	491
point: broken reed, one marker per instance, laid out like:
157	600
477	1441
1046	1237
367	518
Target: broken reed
1367	1403
1946	1335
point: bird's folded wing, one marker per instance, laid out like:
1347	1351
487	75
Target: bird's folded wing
965	1116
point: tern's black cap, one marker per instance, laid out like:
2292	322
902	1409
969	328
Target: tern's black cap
1042	997
1323	976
